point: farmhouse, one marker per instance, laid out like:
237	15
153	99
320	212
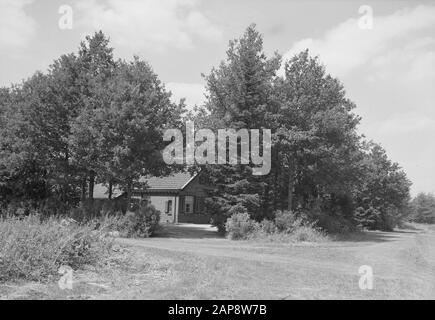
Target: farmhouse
179	197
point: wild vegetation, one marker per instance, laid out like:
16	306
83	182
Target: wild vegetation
34	248
285	228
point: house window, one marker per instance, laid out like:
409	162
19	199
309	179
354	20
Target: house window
169	207
188	204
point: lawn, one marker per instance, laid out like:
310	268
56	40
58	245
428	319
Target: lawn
189	265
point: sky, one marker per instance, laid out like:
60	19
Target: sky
387	63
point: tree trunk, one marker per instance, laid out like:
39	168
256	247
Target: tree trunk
65	185
291	184
276	189
91	184
84	188
129	192
110	189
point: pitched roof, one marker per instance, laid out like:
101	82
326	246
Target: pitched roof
175	181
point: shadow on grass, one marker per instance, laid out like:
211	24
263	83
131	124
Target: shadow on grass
188	231
368	236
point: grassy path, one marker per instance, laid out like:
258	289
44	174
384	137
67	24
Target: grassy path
189	264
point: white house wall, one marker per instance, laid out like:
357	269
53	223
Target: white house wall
159	202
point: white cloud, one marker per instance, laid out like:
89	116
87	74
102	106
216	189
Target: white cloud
192	92
16	27
150	25
346	47
389	71
404	124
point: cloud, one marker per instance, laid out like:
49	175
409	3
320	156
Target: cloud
346	48
404	124
389	71
149	25
16	27
413	61
192	92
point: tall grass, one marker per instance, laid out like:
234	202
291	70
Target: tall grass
34	248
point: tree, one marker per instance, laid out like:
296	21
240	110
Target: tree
423	208
133	124
36	133
88	117
96	67
315	136
384	194
319	161
239	94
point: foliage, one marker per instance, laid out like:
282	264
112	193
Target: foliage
35	248
240	226
141	223
88	119
91	118
240	93
267	227
317	152
423	208
284	220
285	228
383	196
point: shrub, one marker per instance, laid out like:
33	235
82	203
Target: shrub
335	224
34	248
219	221
332	220
298	231
267	227
91	209
285	228
307	232
284	220
385	219
142	222
240	226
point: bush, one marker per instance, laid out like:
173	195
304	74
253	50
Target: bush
267	227
332	221
240	226
298	231
219	221
142	222
307	232
35	248
90	209
285	228
385	219
284	220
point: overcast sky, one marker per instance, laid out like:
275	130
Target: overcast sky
388	71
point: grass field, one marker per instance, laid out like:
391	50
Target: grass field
187	262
